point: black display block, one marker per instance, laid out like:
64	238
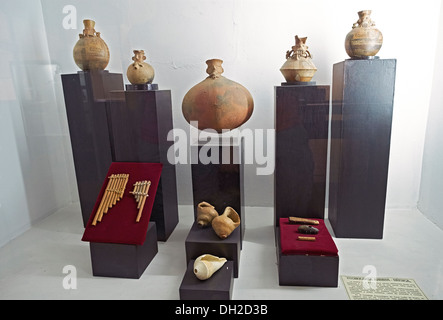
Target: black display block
220	182
205	241
124	260
217	287
301	147
306	270
362	106
86	99
141	121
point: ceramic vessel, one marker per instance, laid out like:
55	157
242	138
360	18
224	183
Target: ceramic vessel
140	72
90	51
206	265
225	223
205	214
217	103
298	66
364	40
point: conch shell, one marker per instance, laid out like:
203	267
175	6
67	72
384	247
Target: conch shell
224	224
205	214
206	265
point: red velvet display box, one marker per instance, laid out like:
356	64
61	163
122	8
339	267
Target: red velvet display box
306	263
120	246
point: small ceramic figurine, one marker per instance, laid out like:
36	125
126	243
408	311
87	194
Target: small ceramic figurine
140	72
205	214
224	224
206	265
298	66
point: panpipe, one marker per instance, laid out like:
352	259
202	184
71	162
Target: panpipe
114	192
140	193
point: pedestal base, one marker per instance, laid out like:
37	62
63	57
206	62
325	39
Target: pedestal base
205	241
218	287
146	86
362	107
124	260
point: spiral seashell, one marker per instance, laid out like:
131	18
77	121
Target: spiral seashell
226	223
205	214
206	265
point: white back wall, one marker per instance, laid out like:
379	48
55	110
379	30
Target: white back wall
252	37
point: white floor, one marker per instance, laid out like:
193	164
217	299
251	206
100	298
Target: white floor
31	266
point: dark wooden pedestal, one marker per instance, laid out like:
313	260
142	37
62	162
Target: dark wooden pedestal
86	99
220	182
205	241
141	121
124	260
362	106
301	124
217	287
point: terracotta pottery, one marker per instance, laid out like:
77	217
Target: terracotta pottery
217	102
205	214
90	51
364	40
206	265
298	66
224	224
140	72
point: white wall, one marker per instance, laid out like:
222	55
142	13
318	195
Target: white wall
34	171
251	36
431	190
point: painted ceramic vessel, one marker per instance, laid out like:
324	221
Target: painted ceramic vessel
226	223
90	51
140	72
298	66
364	40
205	214
217	103
206	265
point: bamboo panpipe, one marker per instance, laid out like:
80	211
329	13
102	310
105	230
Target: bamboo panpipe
114	192
140	193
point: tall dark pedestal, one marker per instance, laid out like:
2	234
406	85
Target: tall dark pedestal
301	124
141	121
362	106
219	182
86	99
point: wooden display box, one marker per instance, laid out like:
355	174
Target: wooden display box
121	246
217	287
306	270
205	241
124	260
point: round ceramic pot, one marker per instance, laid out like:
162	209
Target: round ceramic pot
364	40
91	52
140	72
217	103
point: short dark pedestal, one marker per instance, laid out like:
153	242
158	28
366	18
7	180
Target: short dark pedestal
306	270
219	182
301	124
141	121
205	241
86	100
124	260
362	106
217	287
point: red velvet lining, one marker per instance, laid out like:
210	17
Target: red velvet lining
323	245
119	225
